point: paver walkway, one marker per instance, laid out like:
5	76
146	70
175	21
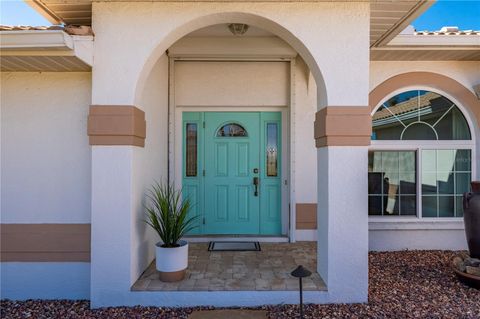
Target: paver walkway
268	269
228	314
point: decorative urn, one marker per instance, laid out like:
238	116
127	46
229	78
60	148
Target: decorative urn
471	217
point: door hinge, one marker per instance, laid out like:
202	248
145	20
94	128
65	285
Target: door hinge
203	124
204	220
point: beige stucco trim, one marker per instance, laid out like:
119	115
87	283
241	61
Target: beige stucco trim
306	216
45	242
116	125
435	81
343	126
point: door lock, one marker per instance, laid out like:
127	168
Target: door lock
255	183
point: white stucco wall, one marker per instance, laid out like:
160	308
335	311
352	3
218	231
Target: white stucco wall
45	165
150	164
465	72
40	280
305	151
419	235
121	177
161	24
232	83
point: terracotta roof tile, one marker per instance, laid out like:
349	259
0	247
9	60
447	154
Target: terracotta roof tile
407	106
448	31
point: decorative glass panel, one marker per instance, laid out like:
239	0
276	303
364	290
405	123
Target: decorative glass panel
232	130
392	186
191	150
272	149
446	175
419	115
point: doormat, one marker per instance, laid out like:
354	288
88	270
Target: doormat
234	246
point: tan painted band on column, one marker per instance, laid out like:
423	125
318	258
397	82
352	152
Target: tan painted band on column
172	276
116	125
45	242
343	126
436	81
306	216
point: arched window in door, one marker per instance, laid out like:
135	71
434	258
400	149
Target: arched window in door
231	130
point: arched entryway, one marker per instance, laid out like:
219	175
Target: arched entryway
131	77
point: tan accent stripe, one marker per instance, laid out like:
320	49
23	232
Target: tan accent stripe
433	80
45	242
306	216
343	126
116	125
172	276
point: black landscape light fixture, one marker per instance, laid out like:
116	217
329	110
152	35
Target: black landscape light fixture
301	272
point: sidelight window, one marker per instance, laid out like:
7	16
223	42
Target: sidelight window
191	150
272	149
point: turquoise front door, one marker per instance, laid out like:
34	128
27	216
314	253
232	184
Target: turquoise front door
232	171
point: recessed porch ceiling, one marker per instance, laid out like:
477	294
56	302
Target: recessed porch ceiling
387	18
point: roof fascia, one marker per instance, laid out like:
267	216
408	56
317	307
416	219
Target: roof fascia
35	40
411	15
46	43
435	40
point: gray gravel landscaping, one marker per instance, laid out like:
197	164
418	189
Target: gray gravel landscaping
408	284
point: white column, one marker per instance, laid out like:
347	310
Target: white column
111	223
343	221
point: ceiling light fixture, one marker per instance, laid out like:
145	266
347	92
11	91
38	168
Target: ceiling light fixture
238	28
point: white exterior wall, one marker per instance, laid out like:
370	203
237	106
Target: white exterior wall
150	164
44	139
126	55
232	84
41	280
305	150
465	72
413	233
45	174
121	177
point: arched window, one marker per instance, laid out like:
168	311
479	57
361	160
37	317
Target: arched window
420	159
231	130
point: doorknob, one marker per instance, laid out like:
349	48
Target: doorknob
256	182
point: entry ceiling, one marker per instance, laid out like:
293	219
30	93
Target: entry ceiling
387	18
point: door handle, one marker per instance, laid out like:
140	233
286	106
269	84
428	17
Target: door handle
255	183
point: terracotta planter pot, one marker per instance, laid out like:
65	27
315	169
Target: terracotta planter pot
471	217
172	263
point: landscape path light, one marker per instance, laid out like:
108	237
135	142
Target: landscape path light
301	272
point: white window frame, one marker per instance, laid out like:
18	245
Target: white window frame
418	146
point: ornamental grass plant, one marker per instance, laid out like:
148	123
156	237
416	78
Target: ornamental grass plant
167	213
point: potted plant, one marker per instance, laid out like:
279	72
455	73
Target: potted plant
167	214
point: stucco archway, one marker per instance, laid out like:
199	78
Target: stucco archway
125	68
234	17
431	80
437	82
